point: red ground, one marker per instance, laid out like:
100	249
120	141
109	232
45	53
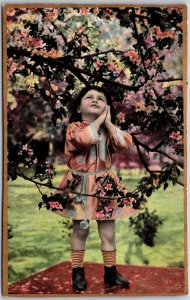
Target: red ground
56	280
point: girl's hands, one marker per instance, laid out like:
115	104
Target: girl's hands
101	119
108	117
104	118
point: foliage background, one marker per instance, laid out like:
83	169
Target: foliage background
137	54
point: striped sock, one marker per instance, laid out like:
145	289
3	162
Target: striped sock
77	258
109	258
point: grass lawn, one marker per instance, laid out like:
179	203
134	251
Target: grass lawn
39	241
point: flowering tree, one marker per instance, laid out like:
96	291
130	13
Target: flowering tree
135	52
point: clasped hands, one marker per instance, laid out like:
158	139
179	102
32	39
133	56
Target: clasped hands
105	117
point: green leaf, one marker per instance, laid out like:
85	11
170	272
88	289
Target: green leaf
178	171
149	192
174	180
165	186
40	205
165	165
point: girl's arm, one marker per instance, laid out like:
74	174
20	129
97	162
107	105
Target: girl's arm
120	139
80	137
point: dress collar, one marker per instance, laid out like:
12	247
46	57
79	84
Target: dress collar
86	121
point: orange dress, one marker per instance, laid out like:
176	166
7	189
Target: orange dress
89	159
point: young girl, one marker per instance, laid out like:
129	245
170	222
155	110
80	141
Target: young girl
91	139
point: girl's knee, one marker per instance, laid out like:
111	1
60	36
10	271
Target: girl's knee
107	231
108	237
80	232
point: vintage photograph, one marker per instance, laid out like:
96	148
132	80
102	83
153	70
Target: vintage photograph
94	150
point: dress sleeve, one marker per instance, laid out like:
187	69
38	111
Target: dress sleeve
79	136
122	141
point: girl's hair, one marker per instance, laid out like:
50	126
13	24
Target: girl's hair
75	116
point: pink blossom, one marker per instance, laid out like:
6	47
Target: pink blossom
58	104
81	29
103	193
20	152
97	63
34	42
55	204
49	171
126	201
148	109
121	117
108	186
100	214
30	152
108	208
25	147
113	67
131	199
163	34
174	134
156	182
127	100
11	12
52	16
12	69
96	10
84	10
179	86
180	26
65	120
154	57
151	92
24	33
122	78
169	96
82	40
133	55
149	41
140	106
147	62
141	78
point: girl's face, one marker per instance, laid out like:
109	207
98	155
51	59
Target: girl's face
92	105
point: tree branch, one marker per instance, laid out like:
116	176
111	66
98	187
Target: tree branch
141	157
49	83
98	53
155	149
148	19
145	165
53	24
139	46
22	175
169	79
13	52
39	189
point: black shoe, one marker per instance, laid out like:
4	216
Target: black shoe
78	278
113	277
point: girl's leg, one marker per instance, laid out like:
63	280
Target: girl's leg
106	229
79	236
78	243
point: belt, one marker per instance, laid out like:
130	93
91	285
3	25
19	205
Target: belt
84	173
